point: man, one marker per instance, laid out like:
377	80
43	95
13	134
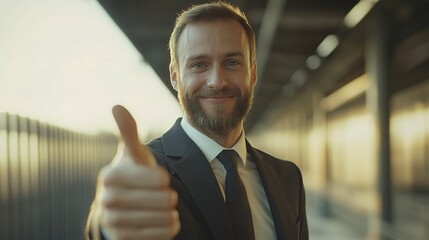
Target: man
181	185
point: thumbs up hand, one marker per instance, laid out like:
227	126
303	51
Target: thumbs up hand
133	192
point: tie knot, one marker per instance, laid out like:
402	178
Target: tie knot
229	159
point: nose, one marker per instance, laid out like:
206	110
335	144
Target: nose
217	78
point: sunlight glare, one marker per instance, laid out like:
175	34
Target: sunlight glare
67	63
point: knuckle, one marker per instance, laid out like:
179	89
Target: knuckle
174	229
164	177
102	174
111	177
109	200
174	217
168	219
172	198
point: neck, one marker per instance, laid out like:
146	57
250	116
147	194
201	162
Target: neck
229	140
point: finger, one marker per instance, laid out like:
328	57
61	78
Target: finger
149	233
138	199
136	219
128	129
131	178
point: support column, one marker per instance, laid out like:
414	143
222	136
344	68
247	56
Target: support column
378	99
323	166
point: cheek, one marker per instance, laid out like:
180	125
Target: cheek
244	82
191	83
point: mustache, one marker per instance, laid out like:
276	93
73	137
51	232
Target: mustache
229	91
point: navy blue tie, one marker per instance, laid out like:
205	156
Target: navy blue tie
236	197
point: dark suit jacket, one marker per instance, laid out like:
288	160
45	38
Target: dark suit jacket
202	210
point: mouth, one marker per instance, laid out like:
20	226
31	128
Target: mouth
218	98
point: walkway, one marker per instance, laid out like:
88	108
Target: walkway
322	228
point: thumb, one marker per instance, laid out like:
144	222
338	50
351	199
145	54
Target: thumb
128	129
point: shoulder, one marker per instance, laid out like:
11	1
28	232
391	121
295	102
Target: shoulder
281	166
274	160
156	145
158	150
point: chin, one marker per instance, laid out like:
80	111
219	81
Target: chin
218	111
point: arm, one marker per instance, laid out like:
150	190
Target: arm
133	198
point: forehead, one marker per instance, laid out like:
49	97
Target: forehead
212	38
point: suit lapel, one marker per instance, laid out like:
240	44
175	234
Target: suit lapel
277	198
197	176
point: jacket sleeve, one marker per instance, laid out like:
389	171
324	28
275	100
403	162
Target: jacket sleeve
303	231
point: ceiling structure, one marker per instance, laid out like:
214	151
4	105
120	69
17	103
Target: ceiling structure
288	35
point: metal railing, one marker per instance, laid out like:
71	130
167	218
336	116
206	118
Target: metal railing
47	178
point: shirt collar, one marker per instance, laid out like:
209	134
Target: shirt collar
211	148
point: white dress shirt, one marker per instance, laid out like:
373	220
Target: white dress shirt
261	214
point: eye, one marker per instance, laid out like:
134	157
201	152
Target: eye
197	65
232	64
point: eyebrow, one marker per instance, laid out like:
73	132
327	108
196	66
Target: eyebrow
236	53
205	56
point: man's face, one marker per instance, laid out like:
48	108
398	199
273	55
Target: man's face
215	79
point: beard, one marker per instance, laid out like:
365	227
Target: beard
216	121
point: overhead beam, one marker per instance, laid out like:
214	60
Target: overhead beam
311	20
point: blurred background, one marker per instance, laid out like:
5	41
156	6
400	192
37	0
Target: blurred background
343	91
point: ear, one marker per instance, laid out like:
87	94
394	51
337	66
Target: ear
254	74
174	76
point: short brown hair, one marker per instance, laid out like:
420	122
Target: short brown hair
207	12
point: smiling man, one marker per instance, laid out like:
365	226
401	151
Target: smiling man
215	76
202	179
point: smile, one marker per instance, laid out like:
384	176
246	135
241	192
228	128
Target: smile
218	99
